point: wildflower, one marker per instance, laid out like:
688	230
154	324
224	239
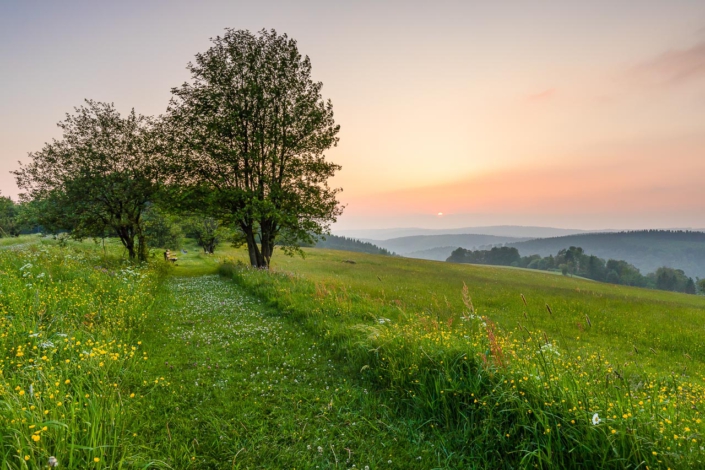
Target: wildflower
53	462
36	437
96	459
595	419
26	457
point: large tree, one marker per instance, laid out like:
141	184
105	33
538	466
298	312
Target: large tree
248	133
99	176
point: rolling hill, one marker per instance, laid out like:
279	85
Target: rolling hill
406	246
647	250
496	230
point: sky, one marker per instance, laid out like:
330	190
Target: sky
565	113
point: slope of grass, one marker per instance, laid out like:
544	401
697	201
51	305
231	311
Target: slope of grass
514	396
652	331
383	363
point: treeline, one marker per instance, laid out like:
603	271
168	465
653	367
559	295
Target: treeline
574	261
162	229
646	249
334	242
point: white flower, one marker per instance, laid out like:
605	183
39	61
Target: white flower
320	449
595	419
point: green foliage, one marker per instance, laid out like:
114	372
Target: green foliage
161	229
501	256
674	280
701	286
207	232
247	137
9	226
100	176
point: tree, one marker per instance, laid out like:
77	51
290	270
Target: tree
248	135
207	231
100	175
701	285
690	286
673	280
160	229
9	225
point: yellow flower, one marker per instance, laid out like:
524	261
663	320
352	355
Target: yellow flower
21	392
96	459
26	457
36	437
67	381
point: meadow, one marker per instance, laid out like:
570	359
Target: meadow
338	360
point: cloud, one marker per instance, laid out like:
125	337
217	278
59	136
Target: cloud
673	67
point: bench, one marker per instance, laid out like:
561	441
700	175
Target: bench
168	257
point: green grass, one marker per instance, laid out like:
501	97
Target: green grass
7	242
321	363
623	318
530	385
247	388
69	322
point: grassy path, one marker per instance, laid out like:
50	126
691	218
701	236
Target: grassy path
246	388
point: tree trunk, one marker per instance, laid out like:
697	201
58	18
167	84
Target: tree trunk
142	250
128	240
130	245
256	258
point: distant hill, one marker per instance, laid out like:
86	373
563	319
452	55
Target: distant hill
647	250
407	245
496	230
440	253
333	242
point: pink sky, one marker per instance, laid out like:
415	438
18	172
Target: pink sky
571	114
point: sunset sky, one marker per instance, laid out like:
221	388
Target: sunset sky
568	113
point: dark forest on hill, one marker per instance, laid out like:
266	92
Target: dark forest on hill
334	242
